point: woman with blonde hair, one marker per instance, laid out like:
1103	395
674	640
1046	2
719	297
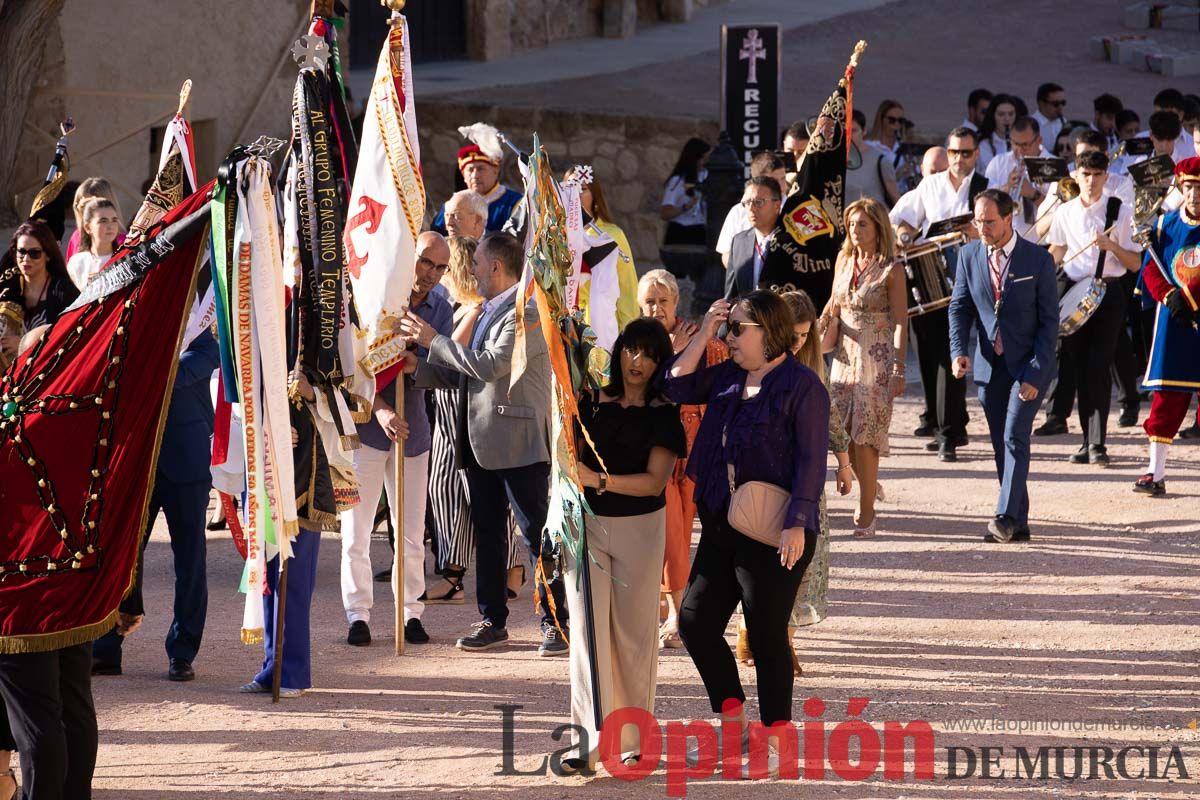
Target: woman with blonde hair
865	325
449	503
88	189
658	297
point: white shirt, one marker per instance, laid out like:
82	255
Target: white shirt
989	148
1050	128
934	199
736	221
489	310
1005	259
998	171
675	194
83	265
1075	226
966	123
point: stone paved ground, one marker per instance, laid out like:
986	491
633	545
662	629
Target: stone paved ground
1093	623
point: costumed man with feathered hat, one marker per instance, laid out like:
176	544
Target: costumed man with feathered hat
479	163
1173	290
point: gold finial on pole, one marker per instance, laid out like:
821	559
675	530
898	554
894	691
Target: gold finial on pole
858	51
396	6
185	94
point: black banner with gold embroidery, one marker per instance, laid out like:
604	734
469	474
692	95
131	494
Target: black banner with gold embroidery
802	252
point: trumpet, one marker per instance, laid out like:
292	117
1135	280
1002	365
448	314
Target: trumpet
1066	190
1015	192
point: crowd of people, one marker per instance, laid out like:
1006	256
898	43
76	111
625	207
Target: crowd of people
729	418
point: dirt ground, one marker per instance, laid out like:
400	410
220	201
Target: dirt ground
1093	624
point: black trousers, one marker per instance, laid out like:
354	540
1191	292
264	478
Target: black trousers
1091	349
945	395
1129	360
53	719
184	505
526	491
730	568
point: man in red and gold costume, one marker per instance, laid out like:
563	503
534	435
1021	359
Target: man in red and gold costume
1173	284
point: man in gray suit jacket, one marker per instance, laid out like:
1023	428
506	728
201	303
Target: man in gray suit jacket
503	437
1006	292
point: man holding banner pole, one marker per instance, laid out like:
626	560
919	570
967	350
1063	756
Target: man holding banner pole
387	205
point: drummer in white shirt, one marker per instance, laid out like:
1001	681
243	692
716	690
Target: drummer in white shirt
1084	241
1007	172
937	197
1085	141
1060	399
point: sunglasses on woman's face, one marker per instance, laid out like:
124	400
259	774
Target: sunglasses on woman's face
737	327
33	252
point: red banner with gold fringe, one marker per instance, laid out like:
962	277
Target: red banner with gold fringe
81	418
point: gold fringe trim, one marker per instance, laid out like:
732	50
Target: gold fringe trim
351	442
361	413
45	642
252	636
1161	439
291	528
322	518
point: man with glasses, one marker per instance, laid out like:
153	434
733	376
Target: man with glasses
1005	291
769	165
1007	171
374	463
1093	237
938	197
1051	100
762	200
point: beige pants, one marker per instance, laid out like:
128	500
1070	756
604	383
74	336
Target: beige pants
625	575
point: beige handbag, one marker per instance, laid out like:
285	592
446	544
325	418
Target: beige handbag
757	508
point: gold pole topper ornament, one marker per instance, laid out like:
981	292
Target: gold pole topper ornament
396	6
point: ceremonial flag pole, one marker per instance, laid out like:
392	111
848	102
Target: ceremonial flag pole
280	604
398	524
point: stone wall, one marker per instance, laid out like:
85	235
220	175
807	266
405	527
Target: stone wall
118	75
537	23
632	156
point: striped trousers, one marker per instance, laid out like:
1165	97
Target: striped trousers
448	496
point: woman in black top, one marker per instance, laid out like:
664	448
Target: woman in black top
638	437
46	290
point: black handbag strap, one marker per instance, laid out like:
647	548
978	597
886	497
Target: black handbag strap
1110	217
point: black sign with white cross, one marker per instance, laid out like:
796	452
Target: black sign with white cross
751	64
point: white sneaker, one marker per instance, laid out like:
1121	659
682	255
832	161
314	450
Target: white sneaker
772	764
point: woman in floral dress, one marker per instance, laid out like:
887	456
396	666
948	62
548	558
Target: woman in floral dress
865	325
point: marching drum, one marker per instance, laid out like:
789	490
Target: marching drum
927	273
1078	304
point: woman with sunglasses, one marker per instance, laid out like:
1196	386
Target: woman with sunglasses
887	129
766	420
46	288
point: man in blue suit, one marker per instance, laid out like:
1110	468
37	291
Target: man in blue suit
1005	290
181	488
